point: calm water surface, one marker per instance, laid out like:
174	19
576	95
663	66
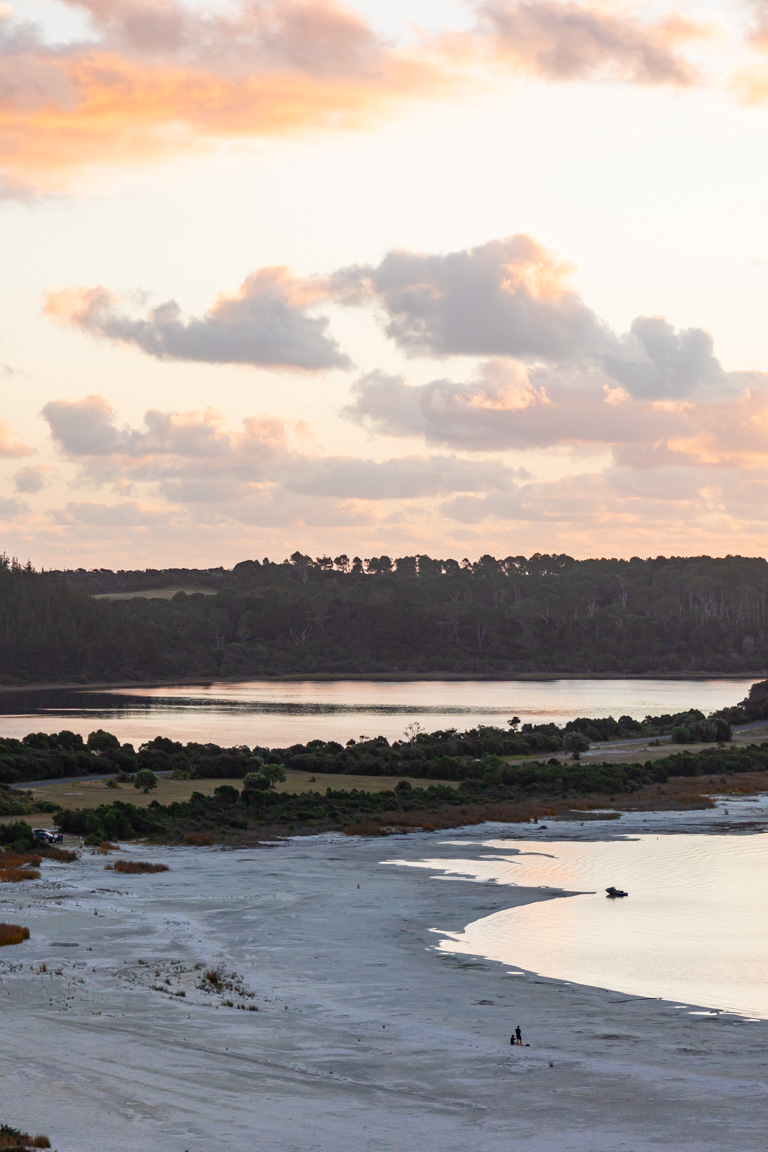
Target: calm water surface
693	929
279	713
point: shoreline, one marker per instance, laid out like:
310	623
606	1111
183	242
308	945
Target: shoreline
377	677
367	1038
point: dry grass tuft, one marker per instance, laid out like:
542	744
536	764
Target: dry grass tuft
135	867
12	934
63	855
11	859
198	839
366	828
16	875
106	847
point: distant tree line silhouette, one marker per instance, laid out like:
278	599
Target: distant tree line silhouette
409	615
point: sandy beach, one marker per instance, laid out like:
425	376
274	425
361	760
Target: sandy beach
366	1038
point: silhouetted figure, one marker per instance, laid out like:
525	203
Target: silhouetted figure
519	1035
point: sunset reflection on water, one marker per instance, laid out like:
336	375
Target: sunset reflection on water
694	928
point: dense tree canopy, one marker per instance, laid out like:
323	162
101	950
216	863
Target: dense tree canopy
378	615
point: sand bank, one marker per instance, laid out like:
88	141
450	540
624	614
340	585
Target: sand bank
365	1040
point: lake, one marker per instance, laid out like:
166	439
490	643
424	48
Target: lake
280	713
692	929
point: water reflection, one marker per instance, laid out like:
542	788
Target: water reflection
693	929
279	713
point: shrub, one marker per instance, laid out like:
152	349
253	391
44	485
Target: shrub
145	779
198	839
12	1140
135	867
12	934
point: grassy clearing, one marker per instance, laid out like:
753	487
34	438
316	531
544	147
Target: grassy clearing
92	793
12	934
153	593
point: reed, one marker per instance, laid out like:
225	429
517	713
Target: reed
136	867
16	875
12	934
198	839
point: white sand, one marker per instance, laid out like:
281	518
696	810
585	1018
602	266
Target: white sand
365	1040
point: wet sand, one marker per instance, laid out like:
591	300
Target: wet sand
366	1039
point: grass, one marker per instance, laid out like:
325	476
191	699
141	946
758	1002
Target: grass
153	593
137	867
12	934
92	793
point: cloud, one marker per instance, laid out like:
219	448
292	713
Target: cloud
162	77
10	447
126	514
159	78
507	407
505	298
31	480
264	324
191	459
657	362
405	477
561	40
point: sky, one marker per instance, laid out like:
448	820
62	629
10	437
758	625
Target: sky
434	277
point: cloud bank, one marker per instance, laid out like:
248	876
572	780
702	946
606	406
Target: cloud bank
156	79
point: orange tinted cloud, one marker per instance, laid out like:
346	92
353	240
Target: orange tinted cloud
161	77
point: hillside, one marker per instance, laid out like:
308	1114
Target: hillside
410	615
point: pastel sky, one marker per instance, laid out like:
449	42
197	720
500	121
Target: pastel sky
438	276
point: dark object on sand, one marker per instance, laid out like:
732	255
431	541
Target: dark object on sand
612	893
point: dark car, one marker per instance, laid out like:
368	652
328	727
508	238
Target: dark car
46	836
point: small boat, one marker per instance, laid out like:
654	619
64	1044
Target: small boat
612	893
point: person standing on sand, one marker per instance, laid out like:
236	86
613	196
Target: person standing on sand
519	1035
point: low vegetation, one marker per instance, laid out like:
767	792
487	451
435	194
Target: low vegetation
12	934
137	867
13	1140
497	789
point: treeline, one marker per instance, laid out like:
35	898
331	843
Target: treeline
418	614
491	793
410	615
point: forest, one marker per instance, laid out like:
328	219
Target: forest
408	615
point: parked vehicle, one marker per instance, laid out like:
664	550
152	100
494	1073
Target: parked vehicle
46	836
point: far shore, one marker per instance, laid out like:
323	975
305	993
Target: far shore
378	677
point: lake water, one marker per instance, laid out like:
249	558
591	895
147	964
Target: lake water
280	713
692	930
